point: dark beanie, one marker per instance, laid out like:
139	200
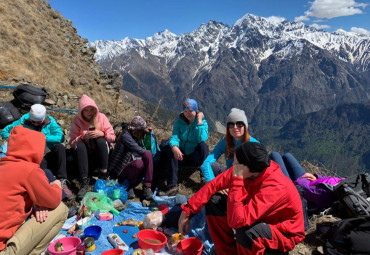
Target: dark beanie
253	155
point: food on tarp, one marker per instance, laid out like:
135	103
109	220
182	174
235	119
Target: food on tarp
89	244
125	231
134	236
129	222
155	241
117	242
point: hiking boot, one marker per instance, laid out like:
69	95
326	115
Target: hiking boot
169	191
84	187
103	175
66	190
130	193
147	193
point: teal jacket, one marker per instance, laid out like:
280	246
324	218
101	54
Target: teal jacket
188	137
50	129
216	154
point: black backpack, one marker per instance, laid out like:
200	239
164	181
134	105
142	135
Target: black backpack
349	236
8	114
26	95
354	195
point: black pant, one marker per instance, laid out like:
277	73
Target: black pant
55	160
89	157
171	163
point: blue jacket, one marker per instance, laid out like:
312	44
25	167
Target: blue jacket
50	129
188	137
216	154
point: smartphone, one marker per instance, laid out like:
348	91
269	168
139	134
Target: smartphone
91	128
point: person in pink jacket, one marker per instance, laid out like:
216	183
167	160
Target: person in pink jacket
91	135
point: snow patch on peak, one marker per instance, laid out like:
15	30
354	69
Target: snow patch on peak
275	20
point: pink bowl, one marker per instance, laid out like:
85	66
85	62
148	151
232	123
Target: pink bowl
190	246
113	252
69	246
150	234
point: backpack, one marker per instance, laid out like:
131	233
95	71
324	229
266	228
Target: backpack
150	143
8	114
26	95
354	194
349	236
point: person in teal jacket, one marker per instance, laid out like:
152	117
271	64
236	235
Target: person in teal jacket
55	152
236	134
187	143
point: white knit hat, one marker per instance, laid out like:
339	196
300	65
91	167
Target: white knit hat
37	112
237	115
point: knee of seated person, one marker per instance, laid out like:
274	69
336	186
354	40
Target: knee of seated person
62	210
147	154
203	146
59	146
101	141
245	236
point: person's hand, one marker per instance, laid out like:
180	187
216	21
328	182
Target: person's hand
95	134
184	223
57	182
200	118
224	192
177	153
40	213
309	176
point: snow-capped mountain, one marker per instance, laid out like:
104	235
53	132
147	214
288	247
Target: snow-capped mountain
281	38
272	68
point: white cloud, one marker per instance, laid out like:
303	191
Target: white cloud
360	30
301	18
317	26
328	9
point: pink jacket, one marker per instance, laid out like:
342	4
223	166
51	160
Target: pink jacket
80	126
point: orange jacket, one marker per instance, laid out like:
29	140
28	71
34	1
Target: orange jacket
271	198
80	126
23	183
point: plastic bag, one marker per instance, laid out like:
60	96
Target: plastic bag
98	201
112	189
153	220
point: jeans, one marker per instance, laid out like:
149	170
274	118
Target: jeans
289	165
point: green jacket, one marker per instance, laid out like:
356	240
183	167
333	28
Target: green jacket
50	129
188	137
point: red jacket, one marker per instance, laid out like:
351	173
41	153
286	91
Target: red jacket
22	182
80	126
271	198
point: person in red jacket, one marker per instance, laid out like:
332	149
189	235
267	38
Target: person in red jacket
263	209
25	191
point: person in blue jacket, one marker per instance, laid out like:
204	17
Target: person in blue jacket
236	134
55	152
187	143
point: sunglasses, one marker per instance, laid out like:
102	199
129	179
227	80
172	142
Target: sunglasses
238	124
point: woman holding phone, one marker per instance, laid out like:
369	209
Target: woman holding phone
91	135
187	143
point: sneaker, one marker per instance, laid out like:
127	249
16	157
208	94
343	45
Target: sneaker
130	193
65	188
84	187
147	193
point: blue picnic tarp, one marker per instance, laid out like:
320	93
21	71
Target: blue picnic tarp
136	211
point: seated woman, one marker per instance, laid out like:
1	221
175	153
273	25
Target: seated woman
91	135
131	161
187	143
317	190
236	134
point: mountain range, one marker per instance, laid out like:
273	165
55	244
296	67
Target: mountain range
274	69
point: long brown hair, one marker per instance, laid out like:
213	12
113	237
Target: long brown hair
230	143
182	116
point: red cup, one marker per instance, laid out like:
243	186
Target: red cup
190	246
163	208
113	252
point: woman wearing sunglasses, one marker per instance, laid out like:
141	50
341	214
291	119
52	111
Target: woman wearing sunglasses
236	134
187	143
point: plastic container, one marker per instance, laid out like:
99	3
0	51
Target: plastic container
93	231
146	238
113	252
163	208
190	246
69	246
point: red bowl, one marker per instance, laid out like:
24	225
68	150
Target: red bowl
190	246
113	252
147	235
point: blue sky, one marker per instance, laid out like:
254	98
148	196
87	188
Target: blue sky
117	19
